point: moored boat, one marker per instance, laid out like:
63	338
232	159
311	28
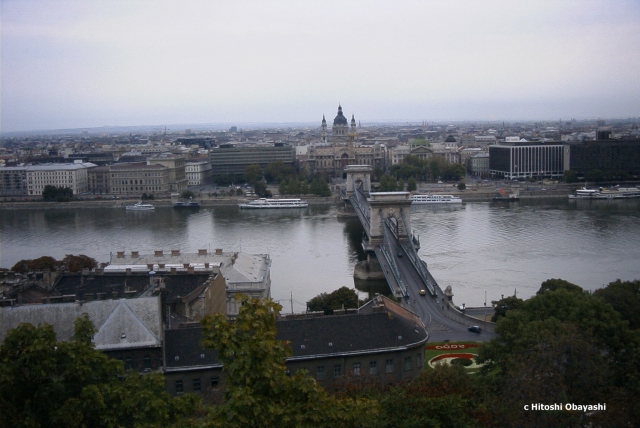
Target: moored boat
264	203
139	206
435	199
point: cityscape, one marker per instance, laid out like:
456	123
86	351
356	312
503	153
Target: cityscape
450	245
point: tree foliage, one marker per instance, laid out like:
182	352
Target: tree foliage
561	346
44	263
49	383
252	174
624	297
188	194
70	263
342	297
58	194
258	392
260	189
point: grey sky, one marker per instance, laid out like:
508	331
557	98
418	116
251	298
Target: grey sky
68	64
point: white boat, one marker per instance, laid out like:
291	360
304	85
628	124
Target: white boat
584	193
139	206
264	203
603	193
435	199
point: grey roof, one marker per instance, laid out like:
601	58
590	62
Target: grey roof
130	323
246	268
370	331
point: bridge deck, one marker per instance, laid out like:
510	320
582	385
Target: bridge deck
407	275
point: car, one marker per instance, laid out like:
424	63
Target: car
399	254
475	329
423	293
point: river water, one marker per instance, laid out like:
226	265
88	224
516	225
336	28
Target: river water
482	248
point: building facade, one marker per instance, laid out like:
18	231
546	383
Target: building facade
233	160
198	173
138	178
608	156
175	165
74	176
526	159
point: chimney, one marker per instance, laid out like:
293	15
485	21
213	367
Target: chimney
160	265
218	251
206	265
190	269
120	254
173	270
185	265
202	252
134	254
128	271
150	266
158	253
175	252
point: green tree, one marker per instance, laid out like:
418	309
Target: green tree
561	346
258	391
277	171
442	397
595	175
412	185
58	194
72	263
505	304
319	187
328	302
188	194
252	174
559	284
461	186
624	297
570	176
260	189
44	263
388	183
48	383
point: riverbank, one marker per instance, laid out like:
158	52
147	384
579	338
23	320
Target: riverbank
121	203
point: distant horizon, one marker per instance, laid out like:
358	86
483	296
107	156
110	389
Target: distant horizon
255	125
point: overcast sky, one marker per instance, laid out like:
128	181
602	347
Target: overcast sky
74	64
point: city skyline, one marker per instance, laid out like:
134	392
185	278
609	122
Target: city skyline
89	64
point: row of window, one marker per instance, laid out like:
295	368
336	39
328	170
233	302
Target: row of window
373	367
196	384
136	174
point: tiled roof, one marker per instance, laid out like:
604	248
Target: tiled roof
130	323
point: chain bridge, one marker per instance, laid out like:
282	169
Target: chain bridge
385	217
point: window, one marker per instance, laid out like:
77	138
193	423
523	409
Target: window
419	360
196	384
373	368
407	363
389	366
320	373
356	369
215	380
337	370
147	363
179	387
128	363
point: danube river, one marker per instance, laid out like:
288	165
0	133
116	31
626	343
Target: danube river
478	248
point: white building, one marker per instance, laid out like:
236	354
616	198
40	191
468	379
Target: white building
71	175
248	274
198	173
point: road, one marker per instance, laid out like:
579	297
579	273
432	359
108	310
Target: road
441	322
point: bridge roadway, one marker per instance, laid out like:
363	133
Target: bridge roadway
441	319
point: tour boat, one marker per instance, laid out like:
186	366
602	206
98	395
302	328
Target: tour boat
264	203
435	199
139	206
603	193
